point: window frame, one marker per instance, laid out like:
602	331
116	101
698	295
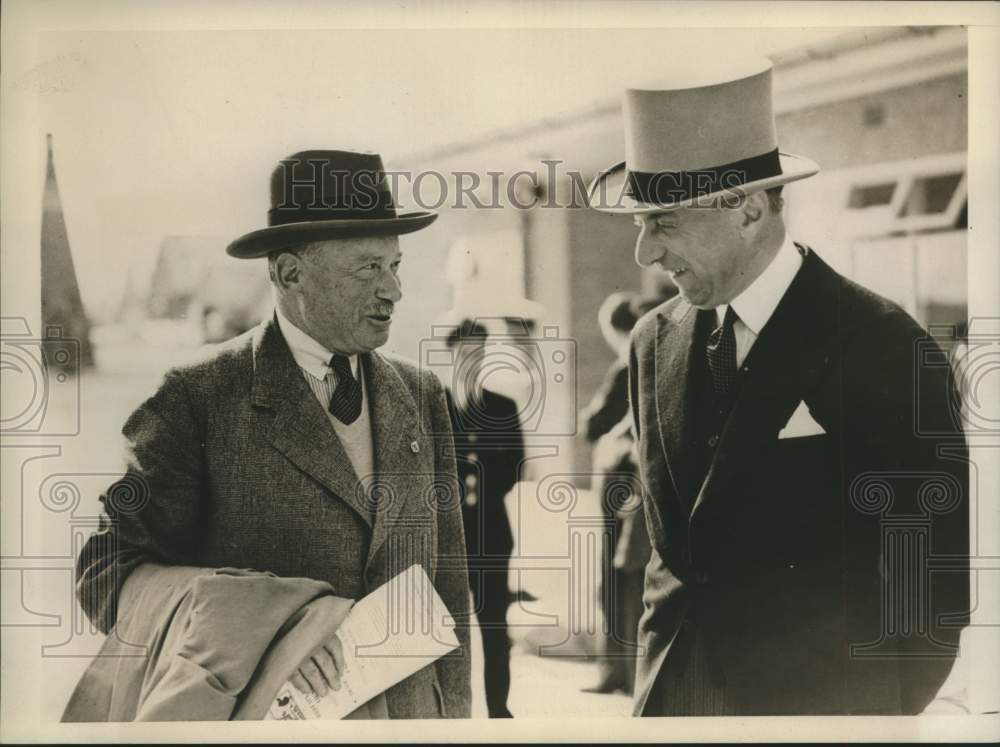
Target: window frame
904	174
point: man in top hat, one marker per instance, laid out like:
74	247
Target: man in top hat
297	448
806	481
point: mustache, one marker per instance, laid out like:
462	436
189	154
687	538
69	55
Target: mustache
383	309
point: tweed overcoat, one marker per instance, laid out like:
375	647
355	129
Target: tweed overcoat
233	462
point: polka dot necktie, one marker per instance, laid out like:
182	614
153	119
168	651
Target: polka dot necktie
345	403
721	352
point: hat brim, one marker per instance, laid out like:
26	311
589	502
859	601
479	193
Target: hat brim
263	241
607	192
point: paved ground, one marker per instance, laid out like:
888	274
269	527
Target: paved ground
46	643
544	687
549	687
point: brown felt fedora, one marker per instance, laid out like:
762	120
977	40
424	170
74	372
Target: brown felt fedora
697	137
327	194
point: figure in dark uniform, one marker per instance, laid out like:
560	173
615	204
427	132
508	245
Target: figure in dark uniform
489	449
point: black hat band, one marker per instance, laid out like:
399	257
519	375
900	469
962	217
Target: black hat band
670	187
361	209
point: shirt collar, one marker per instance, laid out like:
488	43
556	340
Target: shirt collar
309	355
757	303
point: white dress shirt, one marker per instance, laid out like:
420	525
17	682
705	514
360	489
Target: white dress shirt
755	305
310	355
314	360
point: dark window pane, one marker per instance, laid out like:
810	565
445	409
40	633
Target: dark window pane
963	216
871	195
930	195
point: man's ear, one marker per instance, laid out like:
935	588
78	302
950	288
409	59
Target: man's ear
287	270
753	208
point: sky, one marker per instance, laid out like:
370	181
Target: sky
176	132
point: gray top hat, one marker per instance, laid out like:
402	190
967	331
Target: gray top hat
696	139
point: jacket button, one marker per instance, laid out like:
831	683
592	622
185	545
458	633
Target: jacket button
713	441
701	577
471	457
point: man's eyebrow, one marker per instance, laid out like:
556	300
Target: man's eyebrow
365	258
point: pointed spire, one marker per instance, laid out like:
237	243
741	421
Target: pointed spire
62	307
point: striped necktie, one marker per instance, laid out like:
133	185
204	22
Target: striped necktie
345	403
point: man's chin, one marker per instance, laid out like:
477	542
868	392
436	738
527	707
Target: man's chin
376	338
698	300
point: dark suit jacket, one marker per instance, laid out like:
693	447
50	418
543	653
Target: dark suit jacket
782	554
234	463
489	449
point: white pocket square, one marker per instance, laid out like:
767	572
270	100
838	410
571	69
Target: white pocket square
801	424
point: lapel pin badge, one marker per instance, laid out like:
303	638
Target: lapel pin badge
414	447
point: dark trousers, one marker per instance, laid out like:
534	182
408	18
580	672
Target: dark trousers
491	597
630	598
621	605
688	684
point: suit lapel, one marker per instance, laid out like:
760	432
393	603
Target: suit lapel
404	455
300	429
784	365
675	388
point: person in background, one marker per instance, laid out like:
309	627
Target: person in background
489	450
606	425
631	545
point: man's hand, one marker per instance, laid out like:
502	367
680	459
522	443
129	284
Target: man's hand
321	670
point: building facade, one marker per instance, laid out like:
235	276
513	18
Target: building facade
883	112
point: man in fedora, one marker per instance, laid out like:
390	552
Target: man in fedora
297	448
806	484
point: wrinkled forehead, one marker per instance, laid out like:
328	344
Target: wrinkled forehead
374	248
686	214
